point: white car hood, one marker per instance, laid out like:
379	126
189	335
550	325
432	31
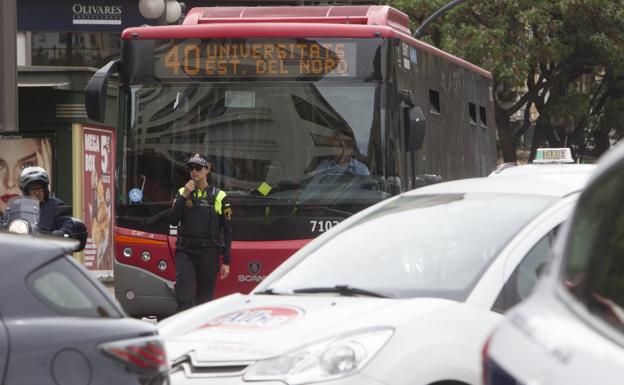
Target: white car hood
250	327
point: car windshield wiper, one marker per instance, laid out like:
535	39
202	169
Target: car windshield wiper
270	291
345	290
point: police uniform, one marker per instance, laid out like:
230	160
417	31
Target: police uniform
204	232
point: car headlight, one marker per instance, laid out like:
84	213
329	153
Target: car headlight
328	359
19	226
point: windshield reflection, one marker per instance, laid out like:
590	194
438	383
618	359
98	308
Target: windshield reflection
288	149
417	246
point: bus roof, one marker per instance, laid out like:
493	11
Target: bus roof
357	14
350	21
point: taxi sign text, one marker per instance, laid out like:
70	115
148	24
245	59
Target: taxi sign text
553	155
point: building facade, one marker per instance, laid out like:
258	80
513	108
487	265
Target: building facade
60	44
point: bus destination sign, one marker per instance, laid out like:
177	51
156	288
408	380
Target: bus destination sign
233	59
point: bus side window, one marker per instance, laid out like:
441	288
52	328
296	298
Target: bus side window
434	102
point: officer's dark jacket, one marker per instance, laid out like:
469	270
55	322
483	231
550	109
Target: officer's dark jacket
204	215
48	218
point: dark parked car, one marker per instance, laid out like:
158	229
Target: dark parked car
59	325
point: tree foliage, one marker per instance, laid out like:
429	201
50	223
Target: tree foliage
563	59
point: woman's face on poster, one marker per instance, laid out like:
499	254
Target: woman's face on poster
17	154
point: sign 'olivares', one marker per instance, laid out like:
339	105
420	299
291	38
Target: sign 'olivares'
96	9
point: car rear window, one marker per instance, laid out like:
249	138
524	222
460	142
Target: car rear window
61	286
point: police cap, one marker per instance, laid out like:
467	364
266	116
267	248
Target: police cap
199	159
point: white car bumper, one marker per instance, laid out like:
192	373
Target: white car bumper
180	378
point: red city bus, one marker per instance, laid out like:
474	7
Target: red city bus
308	115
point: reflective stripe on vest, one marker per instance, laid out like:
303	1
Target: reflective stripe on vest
219	202
203	194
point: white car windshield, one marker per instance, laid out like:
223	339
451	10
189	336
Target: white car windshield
417	246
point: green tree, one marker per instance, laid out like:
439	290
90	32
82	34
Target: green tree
561	58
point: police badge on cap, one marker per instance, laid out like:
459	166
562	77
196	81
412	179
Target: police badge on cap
199	159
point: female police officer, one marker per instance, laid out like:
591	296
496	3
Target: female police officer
202	214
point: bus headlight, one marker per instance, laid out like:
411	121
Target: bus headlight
19	226
324	360
146	256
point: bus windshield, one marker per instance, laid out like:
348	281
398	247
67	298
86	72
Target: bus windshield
295	157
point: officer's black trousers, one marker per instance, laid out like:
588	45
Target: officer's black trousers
196	274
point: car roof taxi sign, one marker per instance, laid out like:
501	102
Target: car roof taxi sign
553	155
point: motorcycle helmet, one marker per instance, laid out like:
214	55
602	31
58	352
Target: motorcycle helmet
34	174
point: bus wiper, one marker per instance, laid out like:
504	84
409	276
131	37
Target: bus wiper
336	211
344	290
245	195
155	218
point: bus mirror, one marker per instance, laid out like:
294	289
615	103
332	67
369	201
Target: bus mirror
415	127
96	91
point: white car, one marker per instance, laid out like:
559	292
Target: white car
571	331
510	169
547	161
405	292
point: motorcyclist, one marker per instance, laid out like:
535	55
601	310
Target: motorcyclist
34	183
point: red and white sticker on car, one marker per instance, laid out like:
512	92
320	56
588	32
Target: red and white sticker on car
256	318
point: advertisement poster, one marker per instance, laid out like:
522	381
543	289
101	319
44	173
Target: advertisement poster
99	159
16	153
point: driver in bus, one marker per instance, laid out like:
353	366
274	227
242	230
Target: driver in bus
345	162
202	214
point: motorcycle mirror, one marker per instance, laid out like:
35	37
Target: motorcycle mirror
64	211
79	233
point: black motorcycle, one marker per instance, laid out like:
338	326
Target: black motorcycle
22	217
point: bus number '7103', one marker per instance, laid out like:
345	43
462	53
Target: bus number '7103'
322	226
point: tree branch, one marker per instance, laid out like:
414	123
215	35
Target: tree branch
526	123
531	95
